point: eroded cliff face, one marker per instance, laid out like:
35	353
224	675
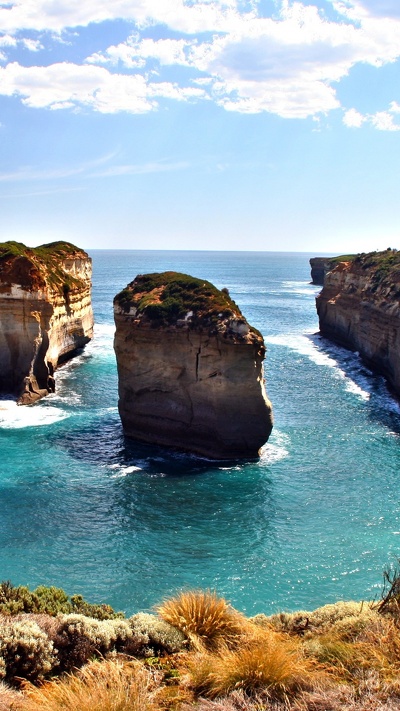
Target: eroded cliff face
359	307
45	314
190	368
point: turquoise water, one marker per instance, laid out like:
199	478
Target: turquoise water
315	520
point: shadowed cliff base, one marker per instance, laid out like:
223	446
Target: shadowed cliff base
190	368
45	314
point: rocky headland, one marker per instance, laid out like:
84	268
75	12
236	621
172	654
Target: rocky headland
45	314
359	308
190	368
320	266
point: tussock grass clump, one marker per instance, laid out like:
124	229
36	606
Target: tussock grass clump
100	686
204	618
9	698
267	662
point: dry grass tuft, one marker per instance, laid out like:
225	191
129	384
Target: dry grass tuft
266	662
9	698
205	618
100	686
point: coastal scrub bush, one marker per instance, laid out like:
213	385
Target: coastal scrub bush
204	618
346	619
25	650
78	638
49	600
100	686
161	637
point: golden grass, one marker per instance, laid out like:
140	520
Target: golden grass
205	618
266	661
100	686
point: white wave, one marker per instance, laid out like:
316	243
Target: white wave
301	287
122	471
276	449
355	382
13	416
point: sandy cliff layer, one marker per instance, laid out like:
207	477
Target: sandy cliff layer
190	368
359	307
45	314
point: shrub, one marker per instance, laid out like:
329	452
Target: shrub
25	649
161	636
49	600
205	618
346	619
77	638
100	686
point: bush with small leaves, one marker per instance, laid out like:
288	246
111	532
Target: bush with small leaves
78	638
25	649
161	636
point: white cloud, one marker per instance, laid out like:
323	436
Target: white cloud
134	53
353	119
288	64
66	85
42	15
384	121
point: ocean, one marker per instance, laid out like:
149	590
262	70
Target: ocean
315	520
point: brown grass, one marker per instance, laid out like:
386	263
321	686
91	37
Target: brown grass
205	618
267	662
100	686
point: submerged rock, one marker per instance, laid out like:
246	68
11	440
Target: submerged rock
45	314
359	308
190	368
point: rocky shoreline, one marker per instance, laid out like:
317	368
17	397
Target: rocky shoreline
359	308
45	314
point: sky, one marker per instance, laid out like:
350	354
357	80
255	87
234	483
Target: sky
268	125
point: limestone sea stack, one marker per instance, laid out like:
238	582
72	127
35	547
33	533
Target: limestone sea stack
359	308
45	314
190	368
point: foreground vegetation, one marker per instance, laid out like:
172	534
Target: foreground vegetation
197	653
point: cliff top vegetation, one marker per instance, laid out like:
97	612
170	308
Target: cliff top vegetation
197	653
383	267
167	297
38	267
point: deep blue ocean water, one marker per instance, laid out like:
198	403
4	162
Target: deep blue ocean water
315	520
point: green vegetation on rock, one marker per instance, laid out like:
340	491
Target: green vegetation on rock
15	600
44	262
167	297
383	267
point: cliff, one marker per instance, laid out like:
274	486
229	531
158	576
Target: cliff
45	314
190	368
359	307
320	266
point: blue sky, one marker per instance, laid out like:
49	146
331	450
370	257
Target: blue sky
201	124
